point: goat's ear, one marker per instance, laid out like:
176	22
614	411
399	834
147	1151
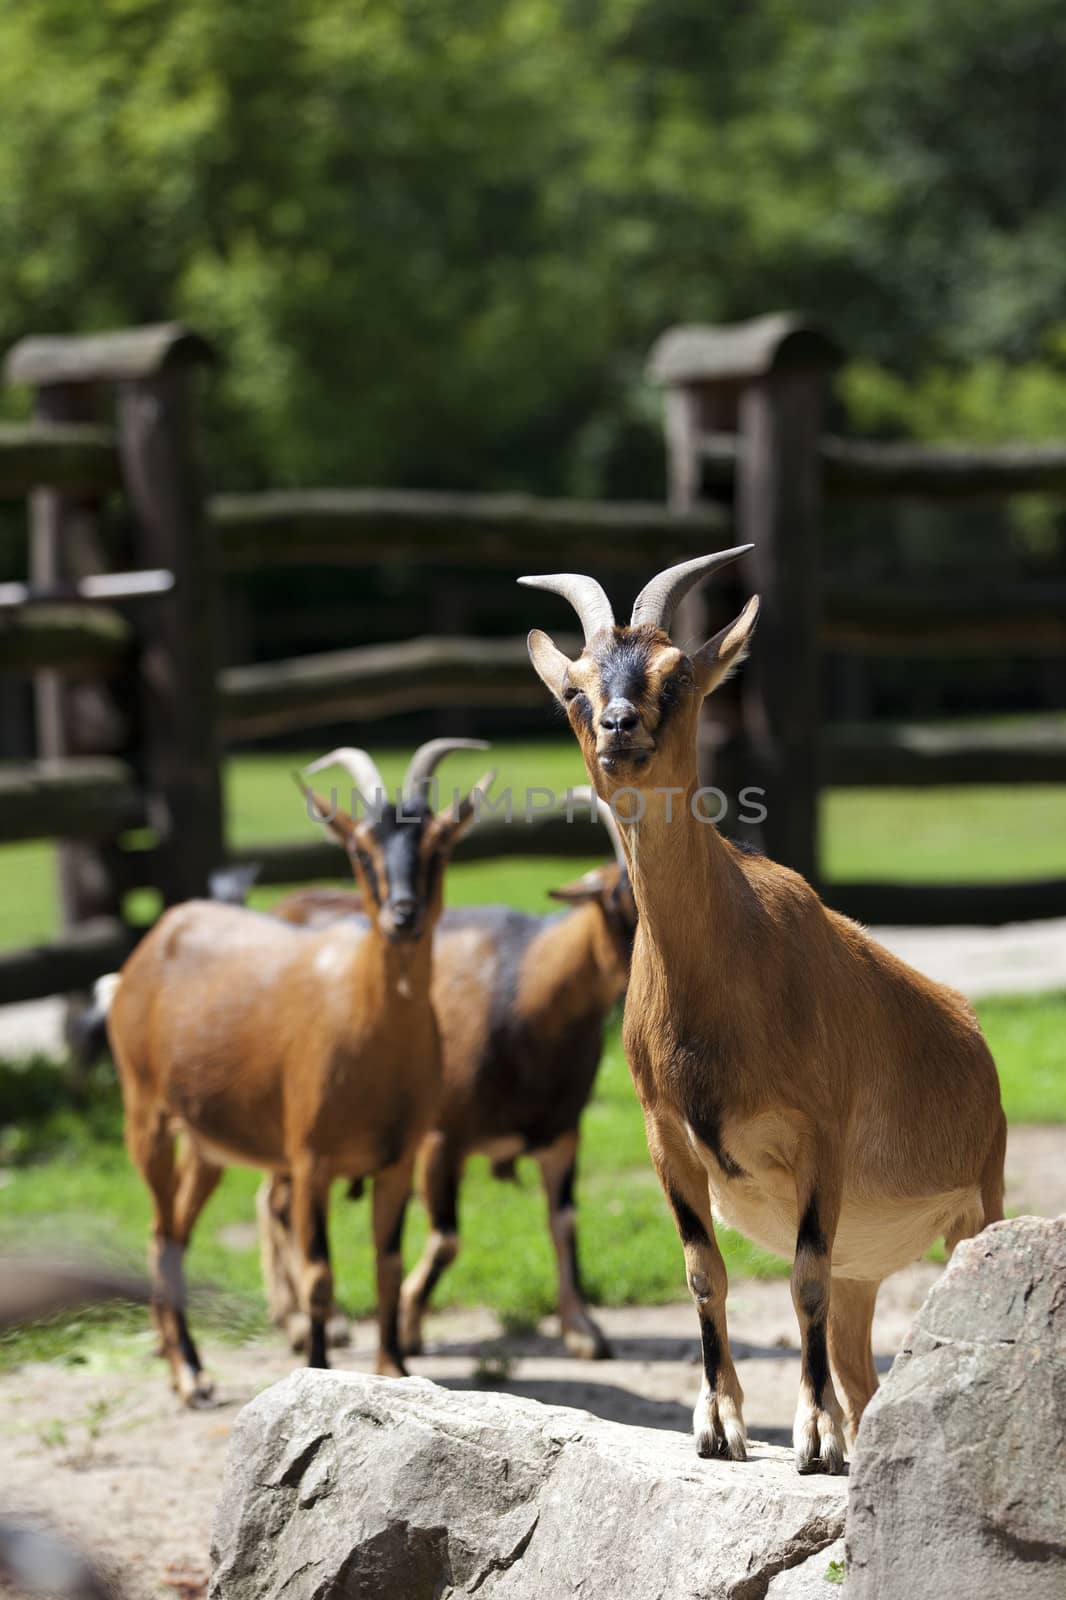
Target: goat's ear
458	818
548	660
723	654
338	823
593	886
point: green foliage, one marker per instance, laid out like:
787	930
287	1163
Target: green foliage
435	240
835	1572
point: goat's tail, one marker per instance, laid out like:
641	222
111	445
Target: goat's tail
88	1028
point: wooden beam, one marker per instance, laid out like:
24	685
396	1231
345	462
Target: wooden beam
1026	619
353	526
937	905
69	456
375	681
70	964
115	357
951	472
77	639
84	797
917	757
856	468
694	355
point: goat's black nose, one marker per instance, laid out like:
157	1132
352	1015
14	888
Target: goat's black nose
619	716
403	912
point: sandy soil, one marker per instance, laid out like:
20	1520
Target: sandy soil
106	1455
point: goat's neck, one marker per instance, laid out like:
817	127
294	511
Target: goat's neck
571	956
690	892
391	973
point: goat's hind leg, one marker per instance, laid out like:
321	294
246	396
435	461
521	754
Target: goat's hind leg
558	1169
310	1207
851	1316
197	1181
718	1418
442	1165
279	1259
151	1147
818	1432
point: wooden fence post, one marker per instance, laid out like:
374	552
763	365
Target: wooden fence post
179	659
151	369
767	378
76	717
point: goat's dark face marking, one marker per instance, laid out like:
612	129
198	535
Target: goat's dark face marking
399	861
628	696
632	697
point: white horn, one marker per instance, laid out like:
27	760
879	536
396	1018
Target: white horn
427	759
584	594
659	599
360	767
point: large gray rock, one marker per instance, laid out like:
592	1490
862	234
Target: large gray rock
808	1581
958	1483
344	1487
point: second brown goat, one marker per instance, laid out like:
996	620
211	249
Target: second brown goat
521	1002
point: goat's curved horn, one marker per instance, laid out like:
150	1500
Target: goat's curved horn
587	795
659	599
358	764
427	759
584	594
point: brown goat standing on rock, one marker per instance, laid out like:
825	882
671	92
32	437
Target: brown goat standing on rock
521	1002
314	1053
797	1080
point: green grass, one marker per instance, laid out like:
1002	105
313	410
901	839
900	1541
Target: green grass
1027	1036
972	834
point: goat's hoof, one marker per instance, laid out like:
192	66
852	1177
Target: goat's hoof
391	1367
411	1342
819	1443
338	1331
719	1429
196	1390
298	1331
587	1343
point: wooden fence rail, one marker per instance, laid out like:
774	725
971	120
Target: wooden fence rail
945	472
131	706
352	527
67	456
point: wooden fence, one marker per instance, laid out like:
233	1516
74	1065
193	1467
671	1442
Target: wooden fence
117	621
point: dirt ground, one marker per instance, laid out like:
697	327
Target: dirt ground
105	1455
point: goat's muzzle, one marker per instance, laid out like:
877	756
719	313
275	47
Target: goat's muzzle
616	752
401	920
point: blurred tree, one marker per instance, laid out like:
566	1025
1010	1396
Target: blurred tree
434	240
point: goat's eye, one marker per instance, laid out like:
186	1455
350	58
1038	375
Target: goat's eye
570	693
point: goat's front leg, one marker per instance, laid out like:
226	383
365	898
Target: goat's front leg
558	1170
718	1419
818	1432
392	1188
310	1204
